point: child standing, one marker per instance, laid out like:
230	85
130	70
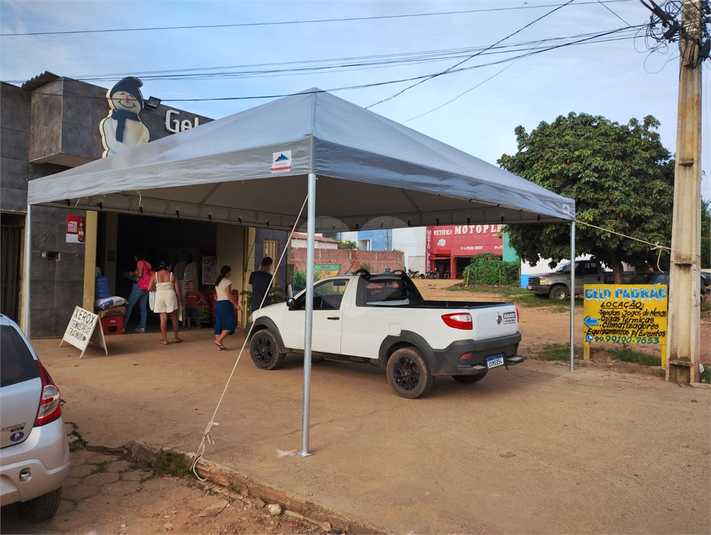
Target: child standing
193	298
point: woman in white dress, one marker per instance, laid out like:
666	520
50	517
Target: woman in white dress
167	299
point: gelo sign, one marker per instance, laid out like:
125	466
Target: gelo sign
625	314
175	125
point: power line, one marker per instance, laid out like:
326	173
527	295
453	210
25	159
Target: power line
423	77
471	57
338	64
615	14
514	60
294	22
470	89
589	39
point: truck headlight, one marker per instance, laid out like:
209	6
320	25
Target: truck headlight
543	281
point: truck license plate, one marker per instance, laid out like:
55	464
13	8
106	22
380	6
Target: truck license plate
529	287
493	362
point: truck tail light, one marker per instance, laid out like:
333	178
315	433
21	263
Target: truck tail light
461	321
518	319
49	409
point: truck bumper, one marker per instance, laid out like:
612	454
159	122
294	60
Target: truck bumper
469	357
538	289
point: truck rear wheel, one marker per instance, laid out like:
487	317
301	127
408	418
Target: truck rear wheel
469	379
559	293
409	374
264	349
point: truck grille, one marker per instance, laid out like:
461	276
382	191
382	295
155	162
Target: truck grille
533	280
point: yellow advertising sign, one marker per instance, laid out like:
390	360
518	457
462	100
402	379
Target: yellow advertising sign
625	314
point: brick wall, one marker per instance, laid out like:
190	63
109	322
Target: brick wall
349	259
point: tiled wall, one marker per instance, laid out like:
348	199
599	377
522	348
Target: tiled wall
56	286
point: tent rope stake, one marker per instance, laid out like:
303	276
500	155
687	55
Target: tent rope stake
200	452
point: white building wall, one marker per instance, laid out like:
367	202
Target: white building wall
411	241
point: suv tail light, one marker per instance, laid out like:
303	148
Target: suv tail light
459	321
49	409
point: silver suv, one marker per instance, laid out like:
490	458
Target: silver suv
34	459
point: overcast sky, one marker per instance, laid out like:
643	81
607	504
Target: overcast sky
617	79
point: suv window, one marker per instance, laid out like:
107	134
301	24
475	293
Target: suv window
17	363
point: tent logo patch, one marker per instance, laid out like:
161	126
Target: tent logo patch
281	161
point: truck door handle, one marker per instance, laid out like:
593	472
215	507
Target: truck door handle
333	318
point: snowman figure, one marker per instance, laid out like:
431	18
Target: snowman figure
122	128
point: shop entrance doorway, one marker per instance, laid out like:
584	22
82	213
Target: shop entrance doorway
190	247
11	241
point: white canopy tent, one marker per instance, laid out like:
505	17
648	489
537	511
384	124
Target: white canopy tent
256	167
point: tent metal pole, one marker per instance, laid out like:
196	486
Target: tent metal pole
28	257
308	327
572	296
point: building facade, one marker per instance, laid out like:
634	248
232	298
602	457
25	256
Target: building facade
53	123
449	249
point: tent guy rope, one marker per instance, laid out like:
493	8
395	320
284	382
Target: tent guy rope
206	434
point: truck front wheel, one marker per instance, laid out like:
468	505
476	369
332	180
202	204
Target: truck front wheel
559	293
409	373
265	351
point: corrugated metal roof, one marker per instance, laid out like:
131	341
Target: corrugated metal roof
40	80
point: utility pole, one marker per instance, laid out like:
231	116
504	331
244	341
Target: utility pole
684	278
688	22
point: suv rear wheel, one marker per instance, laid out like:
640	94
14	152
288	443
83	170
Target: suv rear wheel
40	508
409	373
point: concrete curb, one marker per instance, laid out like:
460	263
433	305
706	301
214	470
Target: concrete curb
228	478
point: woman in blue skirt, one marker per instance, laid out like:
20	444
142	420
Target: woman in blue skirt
225	321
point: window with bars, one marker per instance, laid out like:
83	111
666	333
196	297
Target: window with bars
271	249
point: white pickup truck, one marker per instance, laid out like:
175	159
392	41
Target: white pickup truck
383	320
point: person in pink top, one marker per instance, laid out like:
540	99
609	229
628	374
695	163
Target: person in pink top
139	292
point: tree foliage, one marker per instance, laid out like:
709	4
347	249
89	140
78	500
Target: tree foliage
489	269
620	176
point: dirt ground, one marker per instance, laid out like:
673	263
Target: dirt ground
533	449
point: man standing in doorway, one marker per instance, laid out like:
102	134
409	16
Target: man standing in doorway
260	281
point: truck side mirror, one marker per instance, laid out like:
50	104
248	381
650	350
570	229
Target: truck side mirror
290	303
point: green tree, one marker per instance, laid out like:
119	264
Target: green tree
621	177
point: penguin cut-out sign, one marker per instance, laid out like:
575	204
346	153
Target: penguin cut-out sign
123	129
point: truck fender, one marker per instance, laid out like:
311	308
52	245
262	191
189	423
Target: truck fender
406	338
266	323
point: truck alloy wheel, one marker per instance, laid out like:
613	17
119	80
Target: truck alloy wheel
409	373
265	351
